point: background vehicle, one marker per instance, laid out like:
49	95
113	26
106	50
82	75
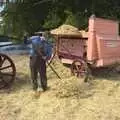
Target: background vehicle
16	49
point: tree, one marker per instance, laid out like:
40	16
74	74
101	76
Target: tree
29	16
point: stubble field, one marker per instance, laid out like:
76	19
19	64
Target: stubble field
67	99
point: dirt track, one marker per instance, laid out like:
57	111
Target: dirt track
67	99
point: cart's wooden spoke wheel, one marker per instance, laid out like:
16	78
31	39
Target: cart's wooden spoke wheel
7	71
78	68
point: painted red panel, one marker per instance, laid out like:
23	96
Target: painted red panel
71	46
103	41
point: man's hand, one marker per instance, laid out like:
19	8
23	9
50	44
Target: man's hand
44	58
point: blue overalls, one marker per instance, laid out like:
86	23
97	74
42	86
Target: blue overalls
37	63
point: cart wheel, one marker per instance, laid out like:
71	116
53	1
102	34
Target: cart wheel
79	68
7	71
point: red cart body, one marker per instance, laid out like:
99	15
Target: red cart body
101	46
70	48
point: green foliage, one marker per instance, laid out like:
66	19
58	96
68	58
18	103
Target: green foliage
78	20
71	19
53	20
30	16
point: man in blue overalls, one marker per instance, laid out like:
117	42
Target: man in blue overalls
40	54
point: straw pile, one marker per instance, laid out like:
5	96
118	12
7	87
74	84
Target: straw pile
66	30
69	30
67	99
84	33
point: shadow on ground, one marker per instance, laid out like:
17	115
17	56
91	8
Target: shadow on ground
22	81
109	73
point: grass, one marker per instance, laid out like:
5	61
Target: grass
67	99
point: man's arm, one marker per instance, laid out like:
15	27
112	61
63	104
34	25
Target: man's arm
45	51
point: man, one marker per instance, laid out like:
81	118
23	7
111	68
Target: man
40	54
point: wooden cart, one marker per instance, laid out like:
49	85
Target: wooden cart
100	48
